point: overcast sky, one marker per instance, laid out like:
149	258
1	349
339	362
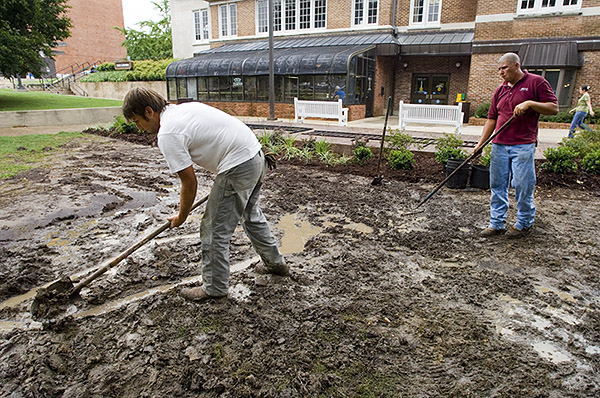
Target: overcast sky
135	11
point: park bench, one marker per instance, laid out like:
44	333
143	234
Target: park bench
320	109
430	114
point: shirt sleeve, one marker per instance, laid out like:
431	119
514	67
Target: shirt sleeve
545	92
175	150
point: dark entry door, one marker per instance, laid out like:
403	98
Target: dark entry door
369	97
430	89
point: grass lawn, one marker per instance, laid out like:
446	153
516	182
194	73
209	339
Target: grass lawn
28	151
37	100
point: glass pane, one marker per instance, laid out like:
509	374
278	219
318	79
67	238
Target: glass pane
320	11
197	25
233	19
263	88
358	12
552	77
213	88
237	88
225	88
566	91
263	16
418	10
305	14
224	29
181	87
171	89
291	88
202	90
372	17
276	15
306	91
290	14
192	88
250	88
434	11
337	81
322	88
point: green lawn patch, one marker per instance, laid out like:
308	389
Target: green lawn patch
38	100
26	152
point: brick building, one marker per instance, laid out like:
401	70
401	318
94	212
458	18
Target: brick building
418	51
93	35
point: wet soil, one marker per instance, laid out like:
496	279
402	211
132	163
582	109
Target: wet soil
381	301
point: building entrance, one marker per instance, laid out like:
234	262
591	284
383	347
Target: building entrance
430	89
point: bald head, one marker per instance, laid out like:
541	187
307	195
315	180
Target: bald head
510	58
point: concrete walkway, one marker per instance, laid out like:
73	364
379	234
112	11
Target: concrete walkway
369	126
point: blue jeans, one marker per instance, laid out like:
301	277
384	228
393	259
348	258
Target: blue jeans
578	122
512	164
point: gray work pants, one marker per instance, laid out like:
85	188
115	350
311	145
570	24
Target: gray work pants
234	197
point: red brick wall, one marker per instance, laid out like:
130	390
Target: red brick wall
589	75
384	73
93	37
530	28
283	111
484	78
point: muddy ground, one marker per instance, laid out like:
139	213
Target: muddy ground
380	303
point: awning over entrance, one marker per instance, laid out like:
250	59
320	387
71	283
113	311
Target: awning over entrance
311	55
286	61
548	55
438	43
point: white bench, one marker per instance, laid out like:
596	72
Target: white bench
430	114
320	109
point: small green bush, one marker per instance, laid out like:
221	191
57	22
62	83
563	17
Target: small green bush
449	146
123	127
106	67
486	155
147	70
560	117
560	160
401	159
361	154
482	110
591	162
398	140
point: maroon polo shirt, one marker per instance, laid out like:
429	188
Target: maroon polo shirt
524	128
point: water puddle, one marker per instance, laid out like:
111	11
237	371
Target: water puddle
550	352
296	233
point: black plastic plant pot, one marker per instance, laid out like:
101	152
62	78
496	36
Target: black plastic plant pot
480	176
460	179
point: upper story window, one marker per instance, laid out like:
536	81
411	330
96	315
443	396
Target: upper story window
547	6
228	20
291	15
425	13
365	12
201	29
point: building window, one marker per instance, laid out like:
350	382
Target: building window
201	25
365	12
561	81
228	20
291	15
547	6
425	13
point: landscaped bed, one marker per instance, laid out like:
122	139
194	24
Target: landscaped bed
381	301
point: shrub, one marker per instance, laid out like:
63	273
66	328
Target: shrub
591	162
147	70
123	127
486	155
482	110
361	154
106	67
449	146
560	117
560	160
401	159
397	139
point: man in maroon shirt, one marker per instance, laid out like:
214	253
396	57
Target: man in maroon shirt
526	96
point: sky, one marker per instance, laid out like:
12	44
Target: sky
135	11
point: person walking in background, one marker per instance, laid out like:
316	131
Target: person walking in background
194	133
584	106
526	96
340	94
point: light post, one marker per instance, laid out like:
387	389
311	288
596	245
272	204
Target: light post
271	67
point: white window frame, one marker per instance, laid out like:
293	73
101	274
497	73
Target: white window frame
365	16
279	20
425	23
201	25
228	20
539	8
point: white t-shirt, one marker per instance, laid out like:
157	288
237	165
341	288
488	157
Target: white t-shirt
193	132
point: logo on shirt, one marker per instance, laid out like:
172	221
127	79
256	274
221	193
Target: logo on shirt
524	89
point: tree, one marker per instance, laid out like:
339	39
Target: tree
154	44
28	30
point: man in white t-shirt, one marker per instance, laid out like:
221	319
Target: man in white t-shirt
194	133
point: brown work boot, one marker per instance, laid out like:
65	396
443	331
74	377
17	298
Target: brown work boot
514	232
275	269
197	294
488	232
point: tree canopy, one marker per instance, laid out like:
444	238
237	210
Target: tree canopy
155	42
29	28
